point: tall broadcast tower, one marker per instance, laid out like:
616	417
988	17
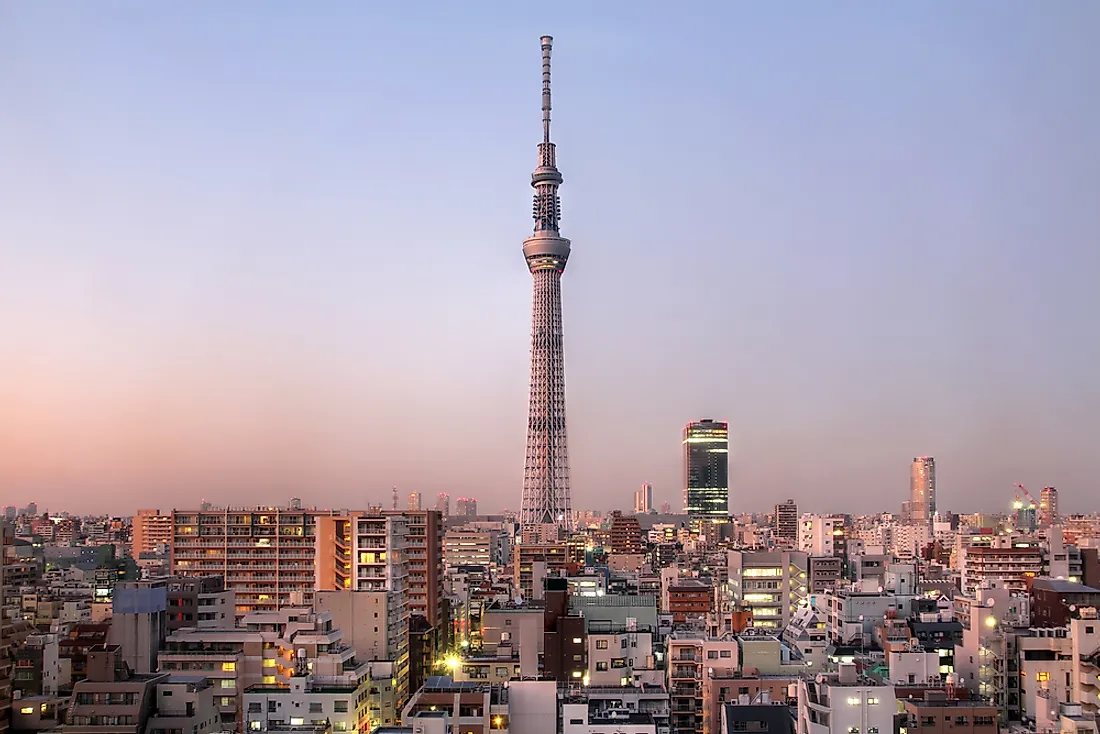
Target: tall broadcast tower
546	499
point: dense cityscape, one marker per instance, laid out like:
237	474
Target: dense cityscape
426	614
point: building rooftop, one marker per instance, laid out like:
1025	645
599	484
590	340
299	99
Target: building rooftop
947	703
774	718
1061	586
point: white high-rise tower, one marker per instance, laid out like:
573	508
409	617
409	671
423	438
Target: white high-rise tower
546	496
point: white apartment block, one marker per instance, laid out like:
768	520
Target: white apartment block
818	534
614	655
844	703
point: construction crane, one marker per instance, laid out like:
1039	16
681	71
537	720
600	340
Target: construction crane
1018	504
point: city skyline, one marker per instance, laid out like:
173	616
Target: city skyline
224	266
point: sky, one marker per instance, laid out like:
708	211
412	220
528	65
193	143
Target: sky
252	251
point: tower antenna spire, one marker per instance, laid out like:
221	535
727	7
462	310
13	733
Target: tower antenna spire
547	500
547	46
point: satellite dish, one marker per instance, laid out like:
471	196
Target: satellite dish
1073	607
990	602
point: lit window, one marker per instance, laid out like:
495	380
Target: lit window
229	683
577	640
872	701
27	710
269	662
229	667
853	700
1042	675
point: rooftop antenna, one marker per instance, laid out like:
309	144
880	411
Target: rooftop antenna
395	498
547	45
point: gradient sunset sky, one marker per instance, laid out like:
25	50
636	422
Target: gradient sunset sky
254	250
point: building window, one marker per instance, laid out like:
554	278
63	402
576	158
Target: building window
229	667
601	666
601	644
1042	675
724	653
340	707
712	654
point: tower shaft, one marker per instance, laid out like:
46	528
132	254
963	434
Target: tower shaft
546	490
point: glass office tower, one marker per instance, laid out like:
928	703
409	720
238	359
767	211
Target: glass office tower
706	469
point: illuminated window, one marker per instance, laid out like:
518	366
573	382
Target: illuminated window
27	710
229	667
269	662
1042	675
577	640
872	701
229	683
268	680
853	700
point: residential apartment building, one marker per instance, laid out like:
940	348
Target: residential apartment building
150	531
425	555
844	703
112	696
274	557
692	660
269	556
822	535
785	523
533	564
1011	568
200	601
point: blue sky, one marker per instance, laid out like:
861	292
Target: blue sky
257	250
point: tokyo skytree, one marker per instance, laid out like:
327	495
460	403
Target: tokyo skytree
546	498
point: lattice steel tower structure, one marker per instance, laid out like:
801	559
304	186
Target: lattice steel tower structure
546	497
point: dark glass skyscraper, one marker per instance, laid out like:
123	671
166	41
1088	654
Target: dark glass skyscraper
706	469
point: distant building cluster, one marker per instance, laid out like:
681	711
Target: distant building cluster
293	618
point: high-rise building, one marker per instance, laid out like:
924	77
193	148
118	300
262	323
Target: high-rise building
424	544
414	502
268	555
1048	505
443	504
466	507
546	491
149	530
666	508
626	534
643	499
922	489
706	468
785	522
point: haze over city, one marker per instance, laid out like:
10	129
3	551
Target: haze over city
249	252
